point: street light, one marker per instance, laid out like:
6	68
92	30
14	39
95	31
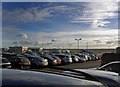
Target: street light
78	41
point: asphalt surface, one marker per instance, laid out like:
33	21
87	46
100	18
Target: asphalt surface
85	65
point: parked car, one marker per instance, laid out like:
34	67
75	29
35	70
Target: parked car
57	58
36	61
82	56
112	66
111	79
81	60
90	54
75	58
4	63
51	61
66	59
87	55
34	78
17	60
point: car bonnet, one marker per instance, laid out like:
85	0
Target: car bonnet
20	77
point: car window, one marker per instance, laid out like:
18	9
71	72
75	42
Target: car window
13	59
23	59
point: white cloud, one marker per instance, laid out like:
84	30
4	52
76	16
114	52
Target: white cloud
103	35
92	34
97	13
22	35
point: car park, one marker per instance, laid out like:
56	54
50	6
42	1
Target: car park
17	60
36	61
12	78
112	66
4	63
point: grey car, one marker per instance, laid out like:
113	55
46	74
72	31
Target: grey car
111	79
66	59
34	78
36	61
112	66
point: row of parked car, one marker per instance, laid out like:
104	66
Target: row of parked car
37	60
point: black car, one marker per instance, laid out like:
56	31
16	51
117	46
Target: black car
17	60
22	78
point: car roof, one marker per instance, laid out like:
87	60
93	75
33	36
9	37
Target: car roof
110	63
20	77
114	62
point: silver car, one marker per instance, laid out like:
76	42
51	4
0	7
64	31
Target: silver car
112	66
36	61
47	79
111	79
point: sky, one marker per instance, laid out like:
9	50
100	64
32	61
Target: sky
35	23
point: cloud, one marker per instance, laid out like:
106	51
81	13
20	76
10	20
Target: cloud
62	36
22	35
97	13
21	15
33	14
59	1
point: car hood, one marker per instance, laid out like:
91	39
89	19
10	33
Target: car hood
99	73
20	77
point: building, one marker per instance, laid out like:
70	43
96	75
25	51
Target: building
18	49
35	49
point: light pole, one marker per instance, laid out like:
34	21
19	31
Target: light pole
78	41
